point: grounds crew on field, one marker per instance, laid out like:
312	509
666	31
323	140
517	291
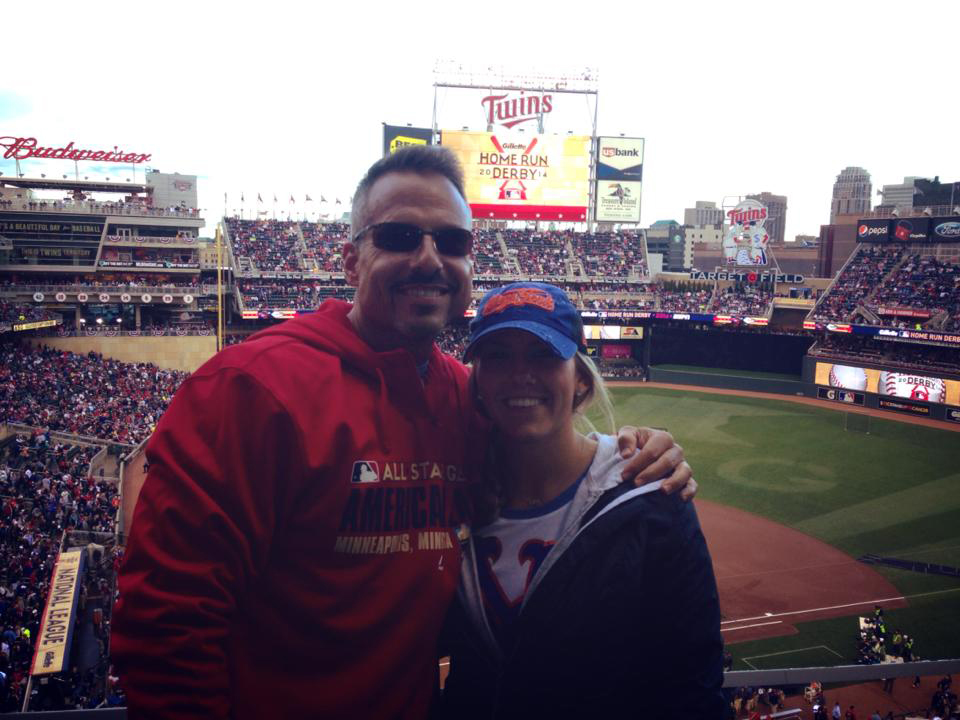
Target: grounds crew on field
294	549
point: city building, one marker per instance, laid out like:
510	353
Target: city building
776	214
703	214
899	196
668	239
851	193
936	194
709	234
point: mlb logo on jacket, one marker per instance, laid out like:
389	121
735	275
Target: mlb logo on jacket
365	471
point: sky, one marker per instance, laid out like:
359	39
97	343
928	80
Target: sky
288	98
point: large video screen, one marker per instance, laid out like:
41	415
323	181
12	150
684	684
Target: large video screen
891	383
519	176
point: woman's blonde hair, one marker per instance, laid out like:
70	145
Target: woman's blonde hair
596	394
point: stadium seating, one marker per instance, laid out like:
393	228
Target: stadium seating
271	245
924	283
324	243
695	299
45	489
23	312
608	254
862	273
487	254
743	300
83	394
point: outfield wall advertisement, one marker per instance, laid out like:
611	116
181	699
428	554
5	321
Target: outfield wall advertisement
518	176
888	383
619	179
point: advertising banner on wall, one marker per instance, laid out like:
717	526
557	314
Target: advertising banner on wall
396	137
910	230
619	179
888	383
52	651
618	201
517	176
620	158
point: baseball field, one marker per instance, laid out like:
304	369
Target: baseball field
791	495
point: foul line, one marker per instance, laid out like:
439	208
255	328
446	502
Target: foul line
789	652
744	627
795	650
839	607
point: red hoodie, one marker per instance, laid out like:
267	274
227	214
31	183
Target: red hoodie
291	552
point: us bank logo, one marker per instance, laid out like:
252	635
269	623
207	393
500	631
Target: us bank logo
365	471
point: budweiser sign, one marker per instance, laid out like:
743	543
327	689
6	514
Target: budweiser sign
510	111
20	148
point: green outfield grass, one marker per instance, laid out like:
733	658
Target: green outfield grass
894	491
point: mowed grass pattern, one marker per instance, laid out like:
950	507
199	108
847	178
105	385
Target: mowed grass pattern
894	491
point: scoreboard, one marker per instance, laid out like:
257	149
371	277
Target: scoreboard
515	176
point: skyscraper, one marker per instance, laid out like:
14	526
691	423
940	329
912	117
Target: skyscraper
851	193
776	214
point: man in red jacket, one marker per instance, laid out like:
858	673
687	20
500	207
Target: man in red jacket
297	531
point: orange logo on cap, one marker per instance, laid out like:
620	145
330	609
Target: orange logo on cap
518	298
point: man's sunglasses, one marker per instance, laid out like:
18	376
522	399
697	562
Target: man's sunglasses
405	237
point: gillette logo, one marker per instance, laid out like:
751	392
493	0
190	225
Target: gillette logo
617	152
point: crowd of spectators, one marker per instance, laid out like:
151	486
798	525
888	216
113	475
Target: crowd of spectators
756	702
13	313
45	489
119	207
858	279
616	303
608	254
120	281
453	340
486	252
906	356
538	253
683	298
290	294
621	371
83	394
922	283
324	243
744	300
271	245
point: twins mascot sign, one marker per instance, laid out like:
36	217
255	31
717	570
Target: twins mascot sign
745	241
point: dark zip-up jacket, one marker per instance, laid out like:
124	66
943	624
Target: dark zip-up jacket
625	622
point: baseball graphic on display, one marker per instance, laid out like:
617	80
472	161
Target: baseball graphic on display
915	387
847	377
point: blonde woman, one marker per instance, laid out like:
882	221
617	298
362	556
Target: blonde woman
580	596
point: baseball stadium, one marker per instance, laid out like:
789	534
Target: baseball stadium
815	390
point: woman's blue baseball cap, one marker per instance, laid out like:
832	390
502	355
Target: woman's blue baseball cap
539	308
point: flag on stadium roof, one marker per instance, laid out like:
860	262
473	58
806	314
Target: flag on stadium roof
309	199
